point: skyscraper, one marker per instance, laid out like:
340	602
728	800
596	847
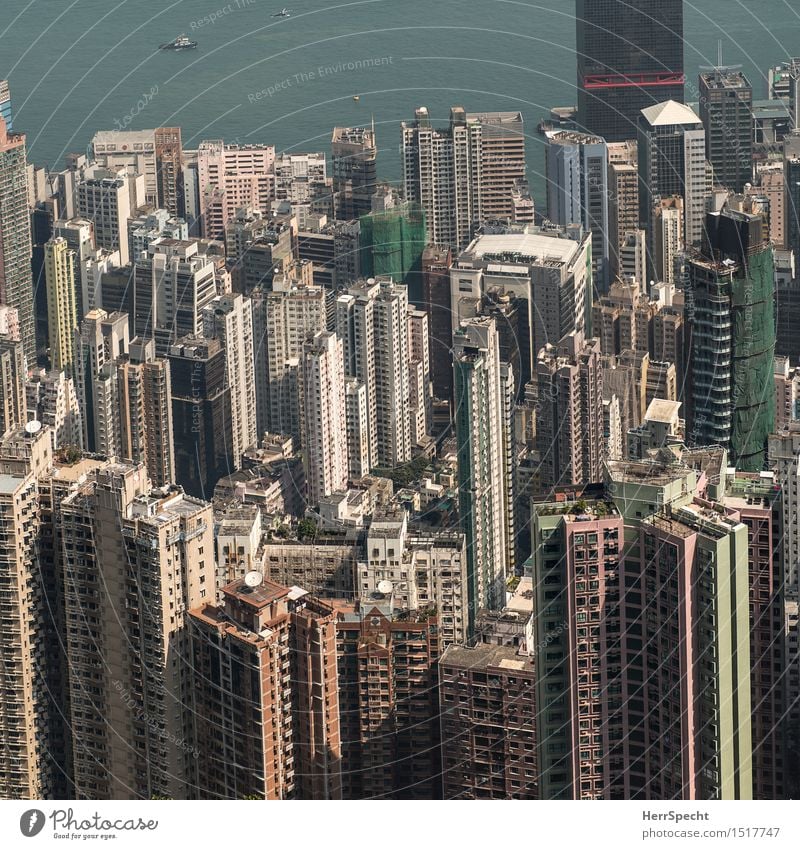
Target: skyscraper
441	168
388	701
672	161
569	427
6	111
169	169
577	549
62	317
548	269
354	155
16	282
201	414
135	563
325	416
732	324
229	318
282	320
578	192
108	198
630	56
144	392
173	283
480	437
232	176
726	109
12	373
372	321
100	339
286	707
24	769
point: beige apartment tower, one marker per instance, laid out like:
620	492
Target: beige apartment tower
62	317
136	560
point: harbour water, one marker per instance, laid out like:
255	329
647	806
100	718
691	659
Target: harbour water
76	66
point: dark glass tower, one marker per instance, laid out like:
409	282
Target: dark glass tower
630	56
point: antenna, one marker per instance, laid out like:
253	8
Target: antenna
253	579
719	53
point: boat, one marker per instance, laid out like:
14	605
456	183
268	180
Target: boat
356	98
180	43
284	13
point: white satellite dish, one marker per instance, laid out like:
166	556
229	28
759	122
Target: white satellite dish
385	587
253	579
33	427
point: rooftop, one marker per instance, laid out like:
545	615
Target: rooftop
532	248
670	113
485	655
662	410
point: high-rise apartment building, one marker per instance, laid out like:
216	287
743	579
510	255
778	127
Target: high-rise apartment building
325	415
25	768
62	316
201	414
354	155
629	57
757	502
726	109
569	426
388	701
549	272
283	318
99	341
482	485
12	372
672	161
784	458
372	321
135	563
436	262
169	169
300	177
229	318
578	192
488	707
52	400
420	398
79	234
6	110
623	197
266	689
144	392
668	221
173	283
108	198
232	176
464	174
733	338
577	549
16	282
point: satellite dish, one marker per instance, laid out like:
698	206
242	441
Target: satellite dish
385	587
33	427
253	579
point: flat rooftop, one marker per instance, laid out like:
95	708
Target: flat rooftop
485	656
538	247
662	410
